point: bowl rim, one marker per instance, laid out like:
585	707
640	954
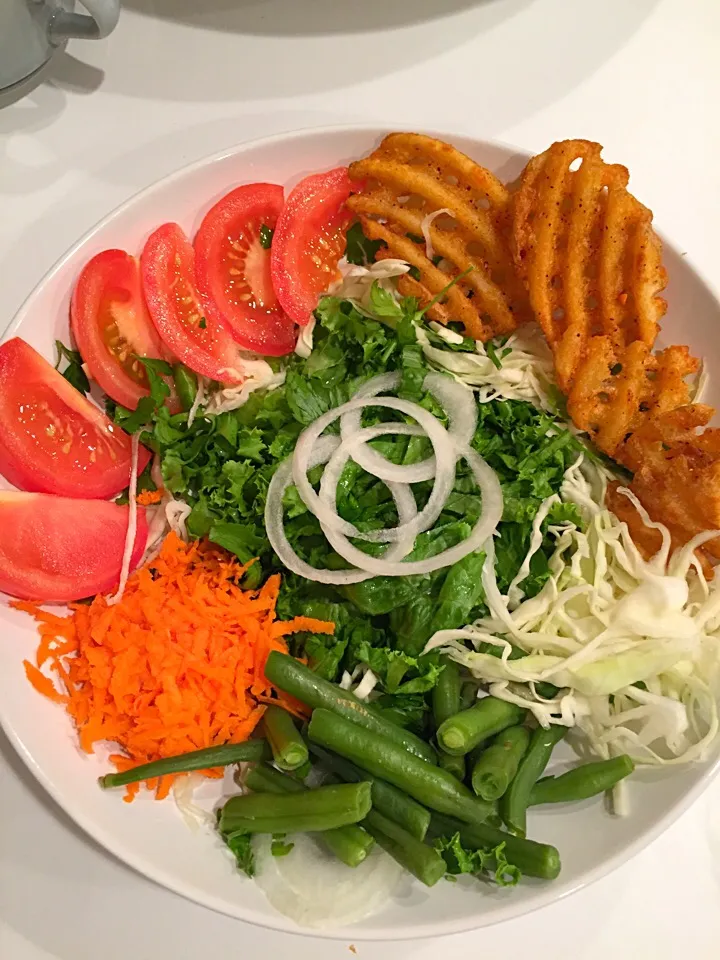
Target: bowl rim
280	923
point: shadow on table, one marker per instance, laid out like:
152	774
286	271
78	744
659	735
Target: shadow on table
532	51
303	17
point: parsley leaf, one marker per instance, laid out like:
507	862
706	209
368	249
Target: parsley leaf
360	250
278	846
490	863
266	236
240	845
383	304
73	372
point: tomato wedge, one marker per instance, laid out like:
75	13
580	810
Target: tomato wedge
309	240
232	263
196	338
112	326
53	440
58	549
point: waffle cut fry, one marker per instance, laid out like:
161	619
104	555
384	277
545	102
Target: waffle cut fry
677	471
587	252
618	391
445	215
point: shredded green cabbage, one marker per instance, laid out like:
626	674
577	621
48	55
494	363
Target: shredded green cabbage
633	645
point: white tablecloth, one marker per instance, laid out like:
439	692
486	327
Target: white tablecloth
180	79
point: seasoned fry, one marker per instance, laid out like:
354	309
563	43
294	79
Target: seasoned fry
584	249
647	539
587	252
677	471
616	392
411	177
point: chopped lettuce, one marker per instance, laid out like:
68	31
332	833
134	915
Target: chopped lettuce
491	863
221	465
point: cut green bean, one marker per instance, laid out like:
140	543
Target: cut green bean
446	692
453	765
420	860
468	694
351	844
289	749
286	673
587	780
302	771
426	783
495	768
387	799
514	803
186	386
530	857
461	733
247	751
310	811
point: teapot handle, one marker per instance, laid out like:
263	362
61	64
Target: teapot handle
102	20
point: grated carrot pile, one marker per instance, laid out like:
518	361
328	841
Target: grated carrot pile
177	665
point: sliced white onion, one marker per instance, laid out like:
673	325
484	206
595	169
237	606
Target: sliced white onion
316	890
438	435
313	449
456	398
275	528
336	464
418	524
492	507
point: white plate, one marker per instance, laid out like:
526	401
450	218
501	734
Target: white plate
150	836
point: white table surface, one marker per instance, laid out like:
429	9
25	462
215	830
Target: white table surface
180	79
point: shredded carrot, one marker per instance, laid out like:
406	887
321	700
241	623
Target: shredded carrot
300	625
146	498
177	665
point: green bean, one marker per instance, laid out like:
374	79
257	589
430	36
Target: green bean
248	750
514	804
186	385
285	673
582	782
387	799
446	703
289	749
351	844
420	860
494	770
453	765
532	858
302	771
446	692
468	694
459	734
425	782
312	811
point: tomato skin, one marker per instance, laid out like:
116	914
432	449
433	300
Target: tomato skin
108	301
201	342
57	549
52	439
233	269
309	240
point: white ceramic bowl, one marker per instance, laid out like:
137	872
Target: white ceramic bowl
151	836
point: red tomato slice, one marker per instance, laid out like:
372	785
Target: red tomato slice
112	326
59	549
53	440
233	269
309	240
195	337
